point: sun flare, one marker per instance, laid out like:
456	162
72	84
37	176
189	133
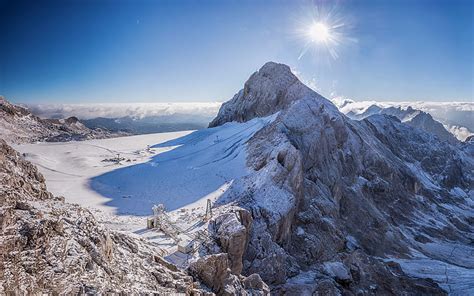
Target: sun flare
323	31
319	32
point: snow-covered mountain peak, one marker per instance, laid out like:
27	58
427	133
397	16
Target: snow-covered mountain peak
269	90
279	74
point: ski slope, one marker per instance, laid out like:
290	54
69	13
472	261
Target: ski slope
180	170
68	167
194	168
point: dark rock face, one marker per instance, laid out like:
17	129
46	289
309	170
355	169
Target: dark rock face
334	200
51	247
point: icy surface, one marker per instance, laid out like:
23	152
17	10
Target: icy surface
166	168
68	167
456	280
175	178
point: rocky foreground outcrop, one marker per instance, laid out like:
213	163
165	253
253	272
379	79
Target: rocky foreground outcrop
18	125
335	204
52	247
219	264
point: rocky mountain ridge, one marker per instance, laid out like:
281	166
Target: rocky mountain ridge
412	117
341	206
18	125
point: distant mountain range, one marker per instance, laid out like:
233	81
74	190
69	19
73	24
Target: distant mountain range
456	117
143	118
410	116
151	124
19	125
134	118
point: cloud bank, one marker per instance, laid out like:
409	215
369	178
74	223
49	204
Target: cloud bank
118	110
457	117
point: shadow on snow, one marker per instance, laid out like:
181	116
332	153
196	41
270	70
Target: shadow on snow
196	167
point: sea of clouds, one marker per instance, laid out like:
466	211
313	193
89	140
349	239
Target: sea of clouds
118	110
457	117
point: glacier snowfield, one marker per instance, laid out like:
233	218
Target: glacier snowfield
180	170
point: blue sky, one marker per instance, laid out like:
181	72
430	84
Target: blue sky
169	51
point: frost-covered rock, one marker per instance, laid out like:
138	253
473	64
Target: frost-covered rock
52	247
325	188
214	271
19	125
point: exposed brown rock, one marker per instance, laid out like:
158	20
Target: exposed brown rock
214	271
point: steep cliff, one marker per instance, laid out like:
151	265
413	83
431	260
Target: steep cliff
337	203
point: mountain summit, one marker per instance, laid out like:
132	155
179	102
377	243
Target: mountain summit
269	90
348	206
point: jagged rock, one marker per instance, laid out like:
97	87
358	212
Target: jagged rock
19	125
52	247
233	232
323	187
254	282
267	91
214	271
338	271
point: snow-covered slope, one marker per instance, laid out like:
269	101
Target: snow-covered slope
200	166
18	125
68	167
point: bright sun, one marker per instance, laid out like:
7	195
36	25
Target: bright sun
319	32
323	31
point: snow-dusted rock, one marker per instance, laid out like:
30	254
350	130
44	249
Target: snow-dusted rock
267	91
52	247
318	178
19	125
214	271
